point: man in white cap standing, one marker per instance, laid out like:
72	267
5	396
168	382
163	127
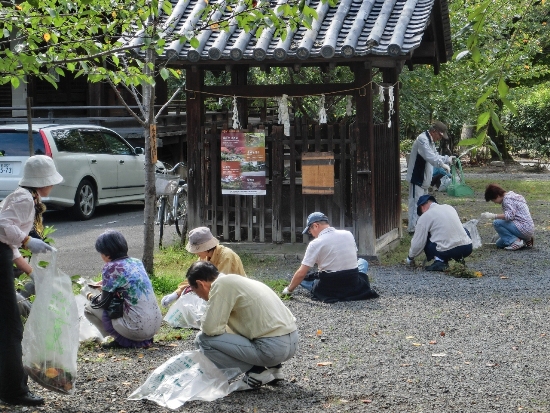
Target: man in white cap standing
341	276
422	159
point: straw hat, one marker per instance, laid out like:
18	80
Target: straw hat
200	240
39	171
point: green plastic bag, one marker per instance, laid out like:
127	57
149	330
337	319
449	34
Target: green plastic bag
458	188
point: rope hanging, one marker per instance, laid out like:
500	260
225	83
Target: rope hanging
284	119
322	111
236	123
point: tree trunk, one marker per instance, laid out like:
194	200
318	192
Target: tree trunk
498	139
150	159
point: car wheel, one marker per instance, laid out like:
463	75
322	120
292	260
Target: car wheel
84	201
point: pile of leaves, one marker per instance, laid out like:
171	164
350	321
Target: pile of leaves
459	270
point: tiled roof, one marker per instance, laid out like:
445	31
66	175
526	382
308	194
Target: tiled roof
352	28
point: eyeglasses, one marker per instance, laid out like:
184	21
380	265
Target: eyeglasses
309	228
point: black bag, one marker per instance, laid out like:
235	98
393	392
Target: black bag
113	303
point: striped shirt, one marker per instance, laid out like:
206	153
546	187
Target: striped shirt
516	210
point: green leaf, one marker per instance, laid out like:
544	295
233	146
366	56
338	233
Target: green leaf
502	88
194	42
164	73
494	148
484	97
33	3
496	122
14	82
510	106
476	54
467	142
483	119
167	7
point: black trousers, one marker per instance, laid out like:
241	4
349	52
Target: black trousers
13	379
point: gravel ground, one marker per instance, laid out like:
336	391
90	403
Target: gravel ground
430	343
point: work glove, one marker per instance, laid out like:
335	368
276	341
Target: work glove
37	246
409	260
488	215
169	299
447	168
286	291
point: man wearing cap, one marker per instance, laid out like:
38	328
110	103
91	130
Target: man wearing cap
422	159
207	247
440	234
341	276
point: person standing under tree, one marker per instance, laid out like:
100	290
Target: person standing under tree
422	159
19	212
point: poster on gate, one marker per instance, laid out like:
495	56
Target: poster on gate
243	162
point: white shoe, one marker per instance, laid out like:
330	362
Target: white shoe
255	380
277	372
516	245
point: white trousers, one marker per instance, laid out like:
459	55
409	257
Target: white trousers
415	192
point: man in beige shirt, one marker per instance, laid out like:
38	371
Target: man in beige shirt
265	333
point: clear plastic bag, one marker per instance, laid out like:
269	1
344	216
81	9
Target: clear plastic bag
187	376
50	339
186	312
471	226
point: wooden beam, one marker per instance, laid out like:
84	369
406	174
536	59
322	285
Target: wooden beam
195	117
255	91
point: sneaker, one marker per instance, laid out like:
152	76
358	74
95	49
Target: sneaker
516	245
437	266
277	372
254	378
530	243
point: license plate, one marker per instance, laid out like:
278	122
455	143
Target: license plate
6	169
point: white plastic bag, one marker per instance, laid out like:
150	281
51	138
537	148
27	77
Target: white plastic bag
471	226
188	376
445	181
50	338
186	312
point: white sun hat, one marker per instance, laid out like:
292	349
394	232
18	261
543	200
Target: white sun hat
39	171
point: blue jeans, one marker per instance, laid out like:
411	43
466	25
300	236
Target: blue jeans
507	231
362	266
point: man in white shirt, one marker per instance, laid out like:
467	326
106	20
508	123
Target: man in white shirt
422	159
265	332
440	234
341	276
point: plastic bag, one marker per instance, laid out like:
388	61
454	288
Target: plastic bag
186	312
50	338
187	376
471	226
445	181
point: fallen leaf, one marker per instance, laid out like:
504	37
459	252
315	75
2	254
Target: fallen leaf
172	345
344	401
409	337
417	344
466	362
433	342
101	355
442	334
140	355
439	355
324	363
366	401
319	332
315	357
503	278
405	365
490	365
152	348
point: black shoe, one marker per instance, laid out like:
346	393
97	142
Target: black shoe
437	266
27	399
111	344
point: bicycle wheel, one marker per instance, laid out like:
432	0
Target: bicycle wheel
181	211
162	216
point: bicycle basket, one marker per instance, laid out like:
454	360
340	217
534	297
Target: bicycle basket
166	184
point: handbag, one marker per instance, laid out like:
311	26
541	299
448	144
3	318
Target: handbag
113	303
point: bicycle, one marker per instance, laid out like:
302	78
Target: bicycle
172	200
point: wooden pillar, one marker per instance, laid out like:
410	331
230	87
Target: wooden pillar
392	76
363	136
277	172
239	76
95	97
195	119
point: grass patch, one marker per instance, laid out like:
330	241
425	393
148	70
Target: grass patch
171	265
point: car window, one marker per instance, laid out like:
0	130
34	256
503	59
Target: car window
14	143
68	140
117	145
93	139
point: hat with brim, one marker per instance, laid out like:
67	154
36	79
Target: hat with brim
200	240
312	218
39	171
441	127
422	200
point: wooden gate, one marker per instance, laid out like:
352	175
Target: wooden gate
280	215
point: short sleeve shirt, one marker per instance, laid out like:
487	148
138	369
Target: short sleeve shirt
333	250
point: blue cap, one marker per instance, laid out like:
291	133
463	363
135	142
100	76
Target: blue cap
422	200
314	217
425	198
